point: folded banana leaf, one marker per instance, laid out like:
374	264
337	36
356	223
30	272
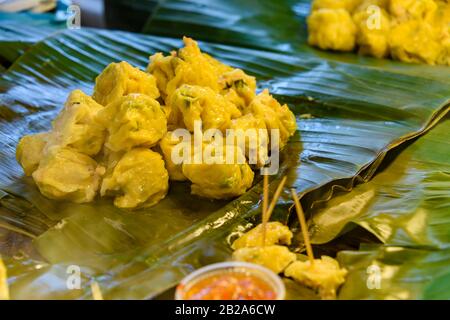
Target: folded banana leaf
350	112
404	273
406	205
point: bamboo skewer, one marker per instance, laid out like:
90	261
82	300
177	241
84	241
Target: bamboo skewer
4	290
301	218
275	198
264	208
96	292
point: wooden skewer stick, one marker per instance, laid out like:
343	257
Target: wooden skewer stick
96	292
4	290
264	208
301	218
275	198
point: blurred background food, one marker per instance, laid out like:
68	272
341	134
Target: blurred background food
415	31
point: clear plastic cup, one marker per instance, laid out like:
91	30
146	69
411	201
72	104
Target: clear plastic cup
263	274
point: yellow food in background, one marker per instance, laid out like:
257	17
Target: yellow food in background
372	41
335	4
116	143
416	31
332	29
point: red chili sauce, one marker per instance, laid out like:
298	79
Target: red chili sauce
230	286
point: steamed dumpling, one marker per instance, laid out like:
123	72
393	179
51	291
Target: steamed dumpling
250	133
348	5
325	275
275	115
414	41
121	79
404	10
238	87
135	120
29	151
167	145
220	180
275	258
187	66
331	29
139	179
276	233
66	174
195	103
76	127
373	36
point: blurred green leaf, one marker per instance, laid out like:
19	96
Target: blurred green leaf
19	31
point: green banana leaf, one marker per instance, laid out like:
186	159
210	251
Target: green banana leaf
404	273
406	205
350	112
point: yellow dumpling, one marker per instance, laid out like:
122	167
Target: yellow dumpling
220	180
188	66
29	151
373	32
121	79
275	115
250	134
76	126
348	5
276	233
163	68
205	71
135	120
414	41
66	174
167	145
331	29
195	103
4	289
444	57
404	10
218	67
324	274
275	258
364	5
238	87
139	179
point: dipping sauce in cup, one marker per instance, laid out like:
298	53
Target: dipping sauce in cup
231	281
